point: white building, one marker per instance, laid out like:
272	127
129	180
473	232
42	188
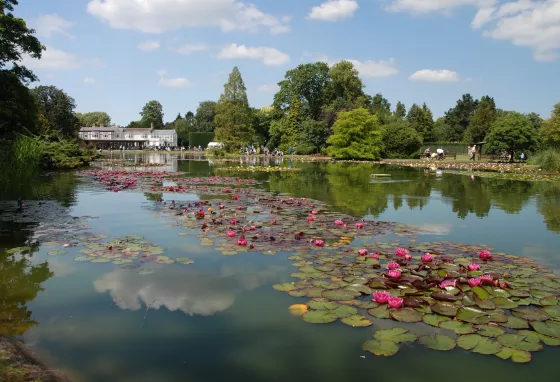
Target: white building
115	137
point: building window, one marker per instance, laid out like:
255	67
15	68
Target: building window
144	136
130	136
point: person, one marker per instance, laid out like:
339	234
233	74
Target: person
427	153
522	156
440	153
473	153
290	150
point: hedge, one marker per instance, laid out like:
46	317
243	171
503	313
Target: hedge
200	139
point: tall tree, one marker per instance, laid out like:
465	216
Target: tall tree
400	111
291	135
483	117
205	114
400	140
152	114
346	87
458	118
550	130
233	117
95	118
309	83
536	120
189	118
18	110
261	120
381	107
512	133
356	135
422	120
314	135
57	111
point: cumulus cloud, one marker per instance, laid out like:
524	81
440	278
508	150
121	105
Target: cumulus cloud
428	6
158	16
190	48
370	68
435	75
269	56
89	80
148	46
53	59
268	88
48	25
332	10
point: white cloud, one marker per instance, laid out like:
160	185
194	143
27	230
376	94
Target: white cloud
332	10
269	56
158	16
148	46
268	88
372	68
179	82
161	72
529	23
48	25
190	48
435	75
89	80
52	59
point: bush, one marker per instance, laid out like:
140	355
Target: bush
548	160
216	152
200	139
400	140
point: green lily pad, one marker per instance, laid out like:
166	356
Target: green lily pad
396	335
530	336
100	260
356	321
434	319
504	303
322	304
405	315
379	312
472	315
83	258
381	348
184	261
445	309
515	323
489	331
518	356
552	311
457	326
550	341
517	341
549	301
286	287
481	293
468	341
345	311
320	317
298	293
439	342
530	314
548	328
487	346
145	272
57	252
484	304
340	294
16	250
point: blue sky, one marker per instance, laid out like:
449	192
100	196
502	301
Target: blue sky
115	55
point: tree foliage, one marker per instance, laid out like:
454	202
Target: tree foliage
314	135
152	115
550	130
18	112
381	107
400	140
292	134
400	111
346	87
204	117
95	118
458	117
482	119
356	135
512	133
421	120
56	111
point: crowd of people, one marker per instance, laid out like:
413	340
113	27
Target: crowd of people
256	150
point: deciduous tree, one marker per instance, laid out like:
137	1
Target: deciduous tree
57	110
482	119
458	117
152	114
550	130
204	117
400	111
400	140
512	133
95	118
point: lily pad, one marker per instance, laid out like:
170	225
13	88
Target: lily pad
57	252
517	341
548	328
504	303
552	311
83	258
457	326
406	315
489	331
356	321
320	317
298	309
515	323
468	341
472	315
487	346
530	314
484	304
549	301
345	311
379	312
550	341
396	335
286	287
481	293
445	309
438	342
322	304
381	348
434	319
518	356
340	294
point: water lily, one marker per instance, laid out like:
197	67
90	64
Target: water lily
395	302
253	227
239	207
381	297
408	257
359	225
319	243
485	255
393	266
394	274
231	234
486	279
233	222
374	255
448	283
427	258
310	218
222	206
474	267
474	282
339	222
401	252
242	241
362	252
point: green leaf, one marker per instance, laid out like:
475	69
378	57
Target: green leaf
481	293
381	348
340	294
472	315
549	301
286	287
380	312
552	311
484	304
345	311
549	340
504	303
457	326
489	331
405	315
434	319
439	342
320	317
487	346
322	304
396	335
515	323
530	336
444	309
57	252
356	321
83	258
520	356
517	341
548	328
468	341
530	314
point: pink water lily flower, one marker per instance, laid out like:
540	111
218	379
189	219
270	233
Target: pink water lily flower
394	274
395	302
408	257
448	283
474	267
486	279
231	234
485	255
242	241
233	222
319	243
474	282
239	207
374	255
314	213
359	225
401	252
427	258
222	206
310	218
253	227
339	222
362	252
381	297
393	266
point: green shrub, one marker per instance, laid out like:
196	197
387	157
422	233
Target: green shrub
548	160
216	152
200	139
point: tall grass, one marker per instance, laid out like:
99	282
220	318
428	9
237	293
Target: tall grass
548	160
20	163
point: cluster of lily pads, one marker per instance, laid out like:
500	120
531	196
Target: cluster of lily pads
118	180
259	169
482	302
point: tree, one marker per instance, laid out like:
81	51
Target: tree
458	118
189	118
512	133
421	120
314	135
442	131
291	136
381	107
482	119
260	121
204	118
95	118
536	120
233	117
183	128
152	114
400	111
356	135
15	41
346	87
550	130
400	140
309	83
18	110
56	109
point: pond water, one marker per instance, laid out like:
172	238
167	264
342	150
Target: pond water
219	319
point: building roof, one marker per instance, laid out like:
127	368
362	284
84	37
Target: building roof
137	130
164	131
101	128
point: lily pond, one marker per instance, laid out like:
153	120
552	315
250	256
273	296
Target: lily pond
164	267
